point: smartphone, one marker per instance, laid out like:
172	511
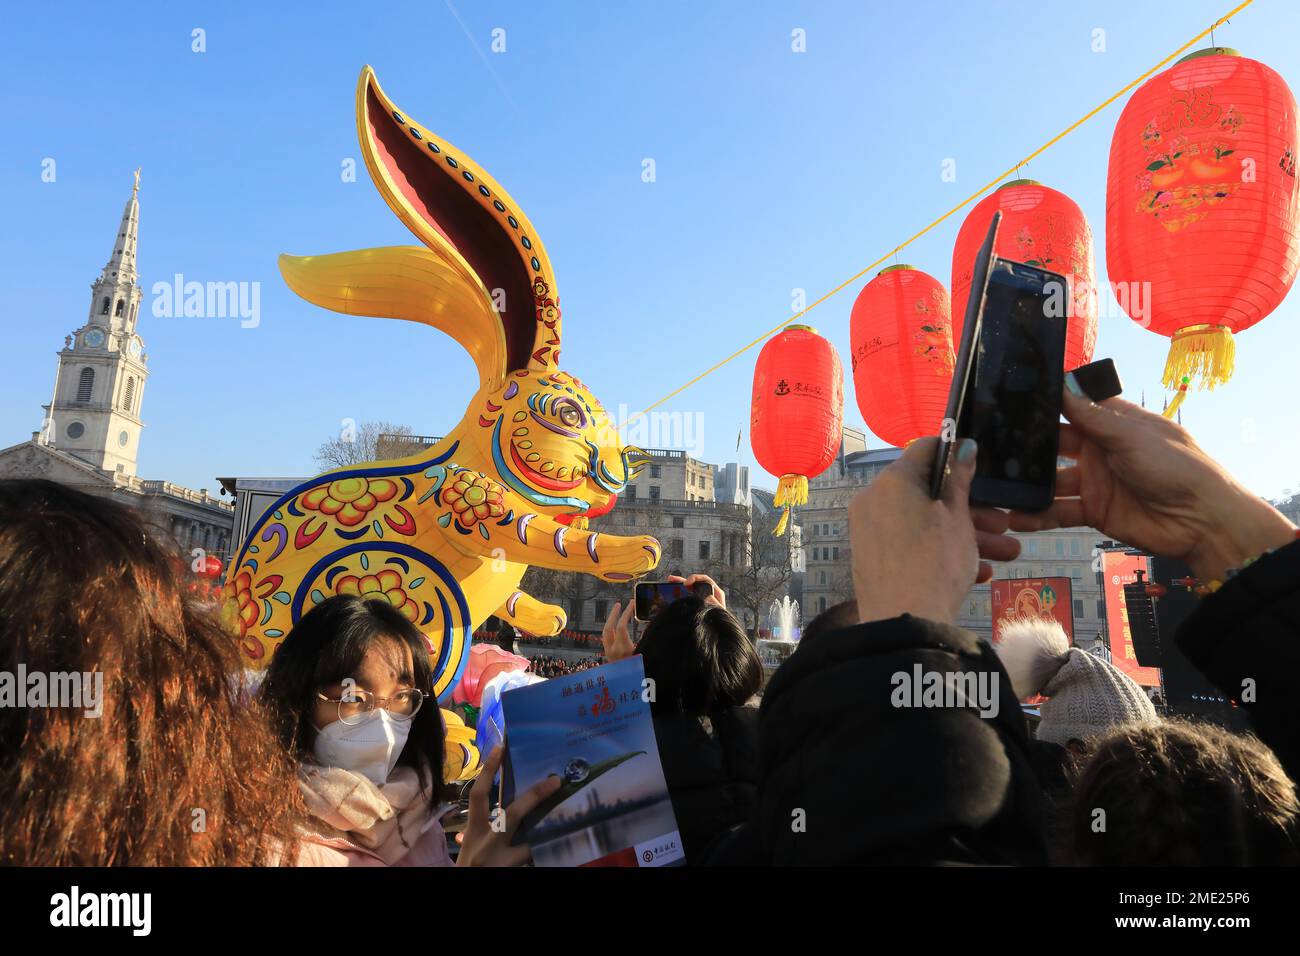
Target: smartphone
651	596
966	353
1013	404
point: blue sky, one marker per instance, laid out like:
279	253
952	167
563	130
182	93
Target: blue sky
775	171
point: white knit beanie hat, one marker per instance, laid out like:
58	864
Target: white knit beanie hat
1087	695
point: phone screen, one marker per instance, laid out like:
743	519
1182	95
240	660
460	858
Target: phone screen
652	596
1014	405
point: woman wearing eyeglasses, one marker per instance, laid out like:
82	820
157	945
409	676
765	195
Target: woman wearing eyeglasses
350	690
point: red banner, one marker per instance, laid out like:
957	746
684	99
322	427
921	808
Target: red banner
1032	597
1119	569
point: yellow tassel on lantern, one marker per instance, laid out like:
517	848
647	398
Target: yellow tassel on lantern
791	490
1204	354
579	522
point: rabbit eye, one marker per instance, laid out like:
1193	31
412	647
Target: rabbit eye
569	415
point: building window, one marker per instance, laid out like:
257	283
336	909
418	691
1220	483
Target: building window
835	554
704	550
103	309
821	605
1074	547
1101	608
631	492
1060	547
128	397
654	492
86	384
656	471
1031	548
821	579
1078	608
675	548
601	610
121	305
679	522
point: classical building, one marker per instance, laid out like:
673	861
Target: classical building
90	436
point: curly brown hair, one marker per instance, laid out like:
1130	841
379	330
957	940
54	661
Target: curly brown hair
1184	794
85	587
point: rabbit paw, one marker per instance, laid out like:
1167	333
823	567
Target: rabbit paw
622	559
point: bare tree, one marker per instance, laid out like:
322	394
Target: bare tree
752	586
355	444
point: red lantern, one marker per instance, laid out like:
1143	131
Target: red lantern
1203	207
797	414
211	566
1040	227
901	335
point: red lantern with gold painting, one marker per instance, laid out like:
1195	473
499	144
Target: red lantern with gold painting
1040	227
797	413
1203	207
900	331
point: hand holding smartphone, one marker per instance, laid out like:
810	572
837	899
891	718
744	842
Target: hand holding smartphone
1006	391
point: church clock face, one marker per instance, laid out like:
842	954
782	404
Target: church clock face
94	338
134	348
123	438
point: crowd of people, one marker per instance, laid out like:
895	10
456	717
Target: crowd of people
847	757
546	665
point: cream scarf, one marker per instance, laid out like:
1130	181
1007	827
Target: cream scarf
387	820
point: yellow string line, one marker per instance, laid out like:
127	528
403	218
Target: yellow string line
957	208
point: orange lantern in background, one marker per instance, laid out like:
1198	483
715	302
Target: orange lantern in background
1040	227
900	331
1202	204
797	414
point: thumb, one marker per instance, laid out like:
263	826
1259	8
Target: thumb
961	470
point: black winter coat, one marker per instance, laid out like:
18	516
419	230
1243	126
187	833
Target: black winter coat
711	768
1250	629
848	777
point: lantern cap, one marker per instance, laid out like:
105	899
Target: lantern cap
897	266
801	328
1020	182
1211	51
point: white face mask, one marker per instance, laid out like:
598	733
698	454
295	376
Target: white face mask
370	748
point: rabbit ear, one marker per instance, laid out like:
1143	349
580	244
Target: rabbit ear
461	212
406	282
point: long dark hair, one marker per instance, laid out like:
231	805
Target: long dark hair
85	587
325	647
700	659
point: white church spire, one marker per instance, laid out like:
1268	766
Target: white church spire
121	264
99	386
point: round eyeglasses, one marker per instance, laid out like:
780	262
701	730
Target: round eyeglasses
354	706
